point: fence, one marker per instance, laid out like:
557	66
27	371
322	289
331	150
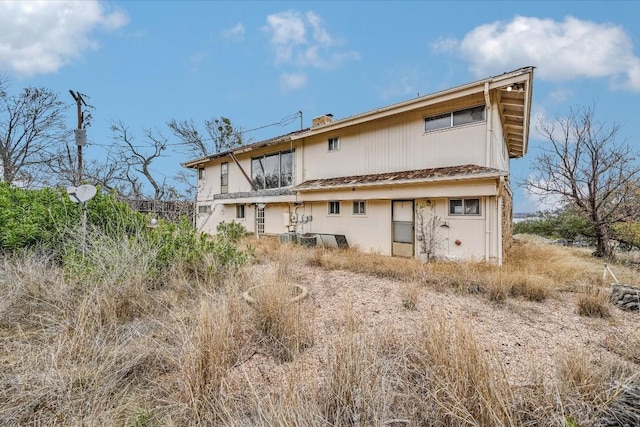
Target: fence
169	210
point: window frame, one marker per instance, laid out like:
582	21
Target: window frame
463	205
452	115
333	144
224	177
331	207
201	173
240	211
204	209
261	184
359	208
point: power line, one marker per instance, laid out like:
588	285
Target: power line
283	122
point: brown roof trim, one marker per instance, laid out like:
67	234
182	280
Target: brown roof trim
403	177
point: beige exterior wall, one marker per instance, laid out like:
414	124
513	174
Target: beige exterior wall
370	232
393	144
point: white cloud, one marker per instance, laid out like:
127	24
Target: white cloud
541	201
401	80
40	37
292	81
303	40
564	50
235	33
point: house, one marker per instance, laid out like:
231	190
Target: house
424	177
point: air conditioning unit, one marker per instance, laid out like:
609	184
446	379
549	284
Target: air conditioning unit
288	238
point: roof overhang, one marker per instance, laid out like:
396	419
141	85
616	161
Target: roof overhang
422	176
511	92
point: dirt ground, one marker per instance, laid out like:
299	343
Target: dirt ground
528	338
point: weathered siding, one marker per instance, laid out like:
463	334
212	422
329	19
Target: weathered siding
393	144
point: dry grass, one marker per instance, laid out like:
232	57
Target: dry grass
593	303
119	349
281	323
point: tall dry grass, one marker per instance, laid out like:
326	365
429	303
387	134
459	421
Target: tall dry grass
120	349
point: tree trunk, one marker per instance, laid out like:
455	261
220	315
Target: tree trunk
603	248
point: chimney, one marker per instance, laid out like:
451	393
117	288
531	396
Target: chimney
322	120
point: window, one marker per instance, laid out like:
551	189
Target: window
272	170
359	207
334	144
204	209
334	208
455	118
200	173
464	207
224	177
240	211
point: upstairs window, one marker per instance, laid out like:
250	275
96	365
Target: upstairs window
334	208
455	118
224	177
200	173
272	170
334	144
464	207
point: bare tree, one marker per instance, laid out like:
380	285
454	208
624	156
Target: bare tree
428	229
109	175
593	173
220	136
139	158
31	126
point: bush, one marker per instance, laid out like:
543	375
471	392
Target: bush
232	231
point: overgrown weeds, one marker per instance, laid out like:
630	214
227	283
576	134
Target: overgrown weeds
593	303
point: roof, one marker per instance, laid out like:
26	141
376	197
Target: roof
514	91
244	148
449	173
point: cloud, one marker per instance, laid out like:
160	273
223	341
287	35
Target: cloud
401	80
562	50
235	33
303	40
539	200
40	37
292	81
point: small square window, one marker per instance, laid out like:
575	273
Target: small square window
359	207
464	207
334	144
334	208
240	211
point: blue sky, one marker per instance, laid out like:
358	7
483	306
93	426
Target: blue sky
146	62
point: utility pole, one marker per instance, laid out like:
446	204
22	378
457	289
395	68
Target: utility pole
81	134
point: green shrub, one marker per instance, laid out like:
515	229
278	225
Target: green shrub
232	231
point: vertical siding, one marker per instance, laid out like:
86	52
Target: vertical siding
394	144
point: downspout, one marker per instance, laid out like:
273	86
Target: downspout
487	100
487	222
233	156
499	220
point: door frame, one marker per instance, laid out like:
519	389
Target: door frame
402	248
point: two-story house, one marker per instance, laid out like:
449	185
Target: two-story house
428	175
